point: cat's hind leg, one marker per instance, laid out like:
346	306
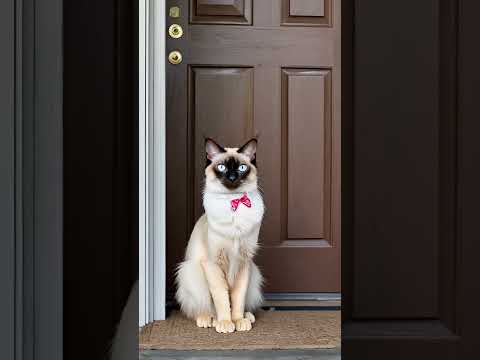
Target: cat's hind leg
193	294
254	296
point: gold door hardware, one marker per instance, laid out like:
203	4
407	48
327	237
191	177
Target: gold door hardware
175	31
175	57
174	12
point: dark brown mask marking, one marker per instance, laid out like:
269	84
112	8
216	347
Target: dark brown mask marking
231	178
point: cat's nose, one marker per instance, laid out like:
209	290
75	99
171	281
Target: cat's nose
232	177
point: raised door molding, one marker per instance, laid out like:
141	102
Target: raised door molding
307	12
235	12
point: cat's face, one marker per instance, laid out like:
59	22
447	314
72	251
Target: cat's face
230	169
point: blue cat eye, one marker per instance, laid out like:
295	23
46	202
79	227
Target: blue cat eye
221	167
242	168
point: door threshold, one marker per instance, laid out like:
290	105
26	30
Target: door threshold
289	302
289	296
302	301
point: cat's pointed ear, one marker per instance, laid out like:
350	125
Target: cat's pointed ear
249	149
212	148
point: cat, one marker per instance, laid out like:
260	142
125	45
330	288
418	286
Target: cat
218	284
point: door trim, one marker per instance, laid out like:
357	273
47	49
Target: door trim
152	170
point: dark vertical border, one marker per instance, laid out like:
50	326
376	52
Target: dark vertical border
7	179
31	179
90	127
48	174
31	195
348	13
100	171
448	165
468	97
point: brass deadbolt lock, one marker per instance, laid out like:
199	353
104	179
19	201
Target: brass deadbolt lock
175	57
174	12
175	31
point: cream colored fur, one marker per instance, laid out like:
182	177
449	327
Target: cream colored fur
218	284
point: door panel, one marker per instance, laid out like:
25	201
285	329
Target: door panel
221	12
308	144
307	12
307	8
218	94
281	83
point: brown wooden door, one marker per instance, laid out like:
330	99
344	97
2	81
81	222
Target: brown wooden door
269	68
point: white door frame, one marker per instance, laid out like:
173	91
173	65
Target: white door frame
152	195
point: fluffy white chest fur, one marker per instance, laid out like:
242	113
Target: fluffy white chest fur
233	233
234	224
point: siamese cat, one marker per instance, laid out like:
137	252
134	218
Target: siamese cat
218	283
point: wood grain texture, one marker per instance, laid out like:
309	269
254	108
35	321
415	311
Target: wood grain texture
219	7
307	13
221	12
309	154
307	7
178	188
221	103
298	254
281	46
218	63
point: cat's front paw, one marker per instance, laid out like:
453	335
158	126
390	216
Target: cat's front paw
243	324
224	326
204	321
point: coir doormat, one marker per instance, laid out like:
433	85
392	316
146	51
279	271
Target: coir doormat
271	330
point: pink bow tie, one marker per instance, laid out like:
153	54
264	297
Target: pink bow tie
244	200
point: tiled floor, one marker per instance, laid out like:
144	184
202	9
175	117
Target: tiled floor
323	354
